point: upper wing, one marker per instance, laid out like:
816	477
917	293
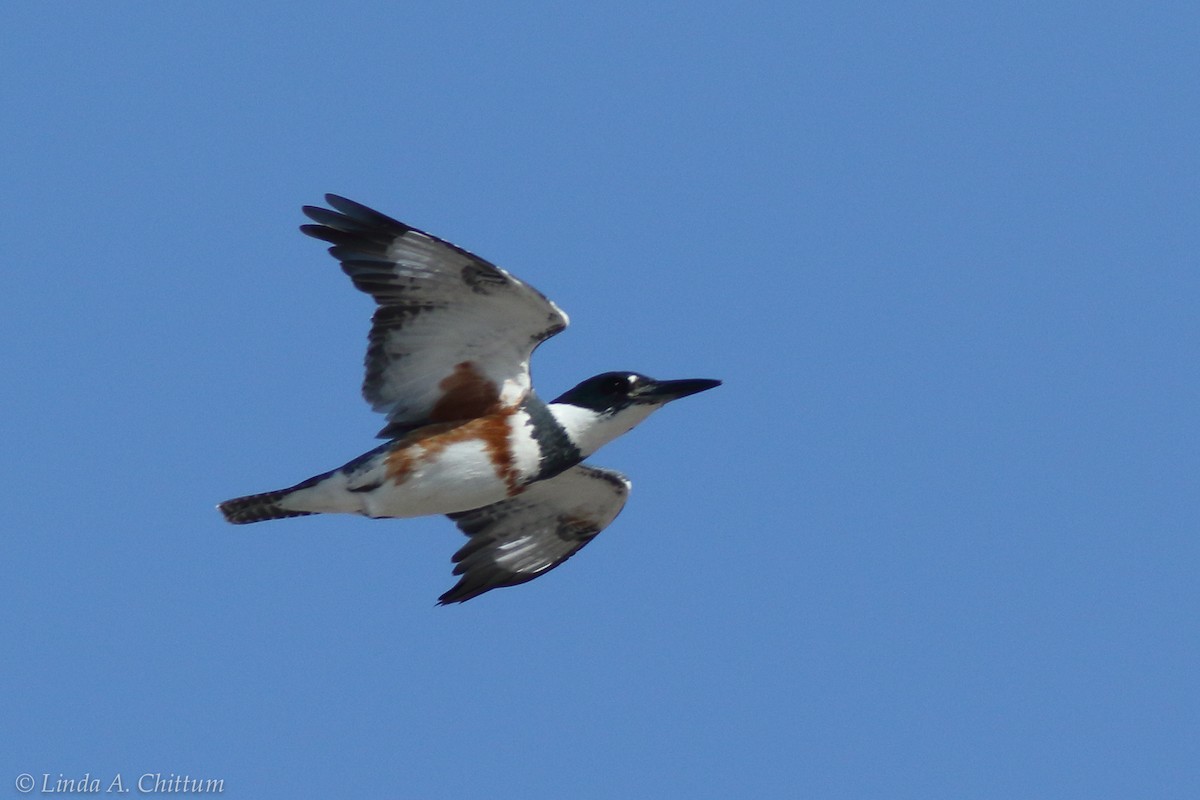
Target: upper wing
520	538
453	333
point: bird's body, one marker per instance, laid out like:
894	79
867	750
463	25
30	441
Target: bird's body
448	362
435	469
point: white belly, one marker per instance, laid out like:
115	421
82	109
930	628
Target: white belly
461	477
432	475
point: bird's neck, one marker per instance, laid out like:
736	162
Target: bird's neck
590	430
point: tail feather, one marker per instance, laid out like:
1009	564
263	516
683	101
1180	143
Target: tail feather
259	507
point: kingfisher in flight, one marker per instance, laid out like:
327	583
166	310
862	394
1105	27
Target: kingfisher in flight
448	364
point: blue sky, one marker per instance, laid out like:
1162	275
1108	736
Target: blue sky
935	537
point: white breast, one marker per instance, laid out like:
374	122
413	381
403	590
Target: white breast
440	479
590	430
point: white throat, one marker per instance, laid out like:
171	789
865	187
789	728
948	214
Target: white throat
590	430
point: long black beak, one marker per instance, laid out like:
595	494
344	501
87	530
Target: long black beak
665	391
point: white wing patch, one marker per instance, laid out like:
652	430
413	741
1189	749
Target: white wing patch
453	333
520	538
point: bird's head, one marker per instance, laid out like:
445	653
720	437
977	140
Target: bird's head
603	407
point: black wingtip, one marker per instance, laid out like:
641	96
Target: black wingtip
315	212
346	214
472	586
315	231
457	594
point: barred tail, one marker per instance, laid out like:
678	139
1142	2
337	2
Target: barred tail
259	507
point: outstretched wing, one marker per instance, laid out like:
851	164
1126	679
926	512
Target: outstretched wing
453	333
525	536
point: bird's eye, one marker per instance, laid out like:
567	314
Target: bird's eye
619	384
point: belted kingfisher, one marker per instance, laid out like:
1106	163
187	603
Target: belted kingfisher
448	363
